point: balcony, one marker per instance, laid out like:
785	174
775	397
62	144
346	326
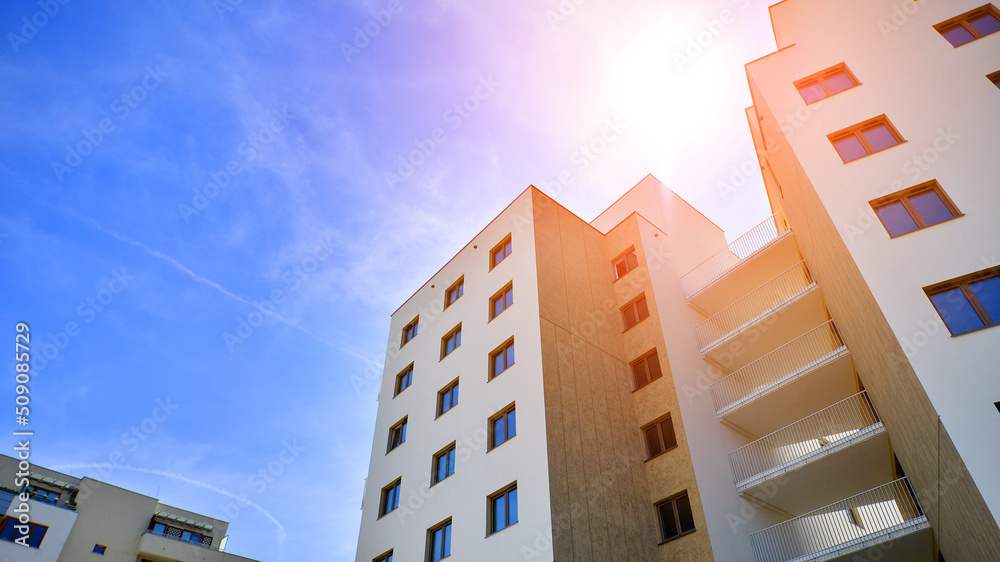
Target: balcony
838	451
758	255
794	380
886	519
45	498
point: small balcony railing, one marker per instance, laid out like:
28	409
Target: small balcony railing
847	422
70	505
880	514
738	252
788	362
755	305
174	534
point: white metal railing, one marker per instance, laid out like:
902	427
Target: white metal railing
754	305
851	420
786	363
737	252
877	515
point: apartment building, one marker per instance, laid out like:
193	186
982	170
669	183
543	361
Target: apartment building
54	517
817	389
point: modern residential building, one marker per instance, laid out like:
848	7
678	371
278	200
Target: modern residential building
824	387
54	517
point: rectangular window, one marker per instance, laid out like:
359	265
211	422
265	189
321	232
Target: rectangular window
454	292
390	498
868	137
451	341
970	26
676	518
826	83
387	557
625	263
404	380
660	436
503	509
397	435
502	300
502	358
100	549
444	464
503	426
439	541
646	369
635	312
995	78
914	208
447	398
410	331
500	252
10	533
968	303
42	494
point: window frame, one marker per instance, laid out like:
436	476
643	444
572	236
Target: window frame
31	531
634	303
672	502
821	78
491	522
407	375
903	196
445	542
449	450
658	424
623	258
456	333
447	389
103	548
458	286
651	357
505	414
396	485
384	557
856	131
962	283
398	428
406	337
505	349
501	296
962	20
994	77
501	247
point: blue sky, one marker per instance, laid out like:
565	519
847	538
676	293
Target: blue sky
211	208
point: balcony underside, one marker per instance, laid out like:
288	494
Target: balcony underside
911	541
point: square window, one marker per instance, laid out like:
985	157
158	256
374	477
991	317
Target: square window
968	303
868	137
625	263
502	300
503	426
826	83
970	26
635	312
410	331
439	541
390	498
397	435
660	436
914	208
503	509
447	398
675	517
100	548
404	380
387	557
443	464
502	358
454	292
646	369
451	341
500	252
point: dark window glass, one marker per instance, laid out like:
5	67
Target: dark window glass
404	380
956	311
957	36
444	465
879	138
668	521
987	292
684	515
99	549
397	435
441	543
850	148
930	207
896	218
985	24
675	517
503	510
503	427
390	498
448	399
653	440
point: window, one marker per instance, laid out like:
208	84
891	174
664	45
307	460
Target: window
826	83
995	78
387	557
970	26
635	312
164	530
676	518
41	494
447	398
503	509
914	208
451	341
397	435
968	303
390	498
9	532
439	541
997	404
404	380
646	369
503	427
660	436
865	138
410	331
443	465
502	358
454	292
100	548
500	252
625	263
502	300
